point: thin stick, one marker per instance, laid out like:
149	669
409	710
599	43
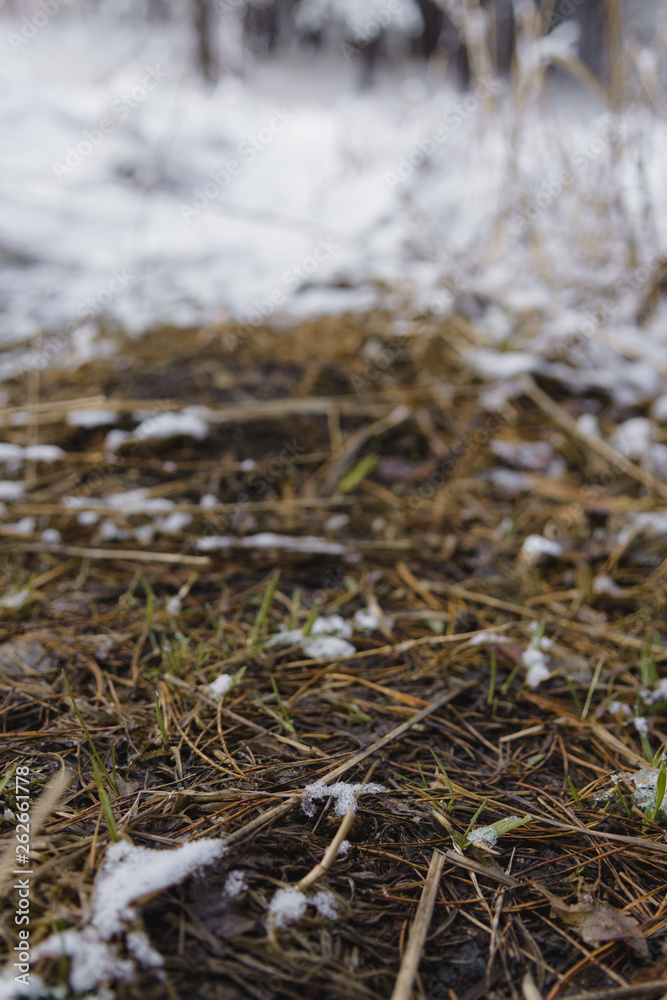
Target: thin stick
413	952
323	866
131	554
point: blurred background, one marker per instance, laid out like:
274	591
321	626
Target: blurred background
188	161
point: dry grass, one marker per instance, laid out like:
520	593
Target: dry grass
434	547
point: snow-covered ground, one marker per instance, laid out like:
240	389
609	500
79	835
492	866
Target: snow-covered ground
130	191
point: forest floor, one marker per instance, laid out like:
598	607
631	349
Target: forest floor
402	582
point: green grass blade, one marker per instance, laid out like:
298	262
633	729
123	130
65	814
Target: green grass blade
476	817
264	607
112	783
104	802
591	690
660	785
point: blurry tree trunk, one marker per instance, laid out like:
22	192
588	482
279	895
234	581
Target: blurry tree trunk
203	20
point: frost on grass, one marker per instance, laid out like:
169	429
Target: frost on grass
345	795
485	835
644	783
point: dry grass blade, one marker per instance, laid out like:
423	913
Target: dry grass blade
419	929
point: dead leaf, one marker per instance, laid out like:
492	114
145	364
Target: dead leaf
597	921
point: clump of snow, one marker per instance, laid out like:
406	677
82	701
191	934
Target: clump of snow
140	947
485	835
345	795
218	688
659	409
587	425
336	521
325	903
174	523
289	905
368	621
87	517
533	455
331	625
633	437
91	418
659	693
536	662
641	724
235	885
344	847
286	907
11	490
23	527
15	600
619	708
327	646
14	455
510	481
536	546
208	501
328	638
604	584
130	872
173	605
484	638
92	960
270	540
168	425
51	536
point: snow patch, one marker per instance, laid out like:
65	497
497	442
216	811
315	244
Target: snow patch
345	795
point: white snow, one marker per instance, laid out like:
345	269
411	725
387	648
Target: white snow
11	490
344	848
91	418
536	662
642	725
130	872
619	708
168	425
174	523
484	638
633	437
534	455
15	600
536	546
218	688
289	905
15	455
327	646
325	903
51	536
659	693
345	795
286	907
270	540
235	885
